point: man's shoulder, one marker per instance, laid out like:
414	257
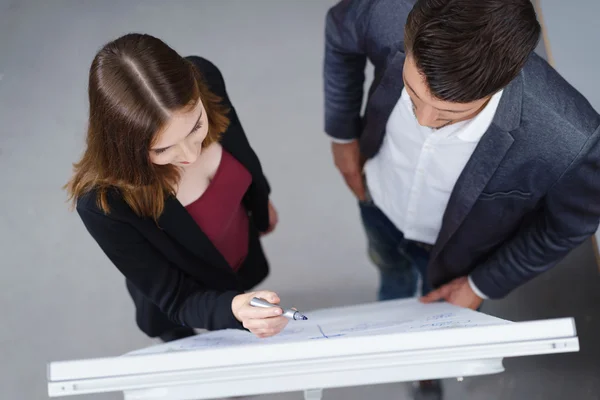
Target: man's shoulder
383	20
388	18
554	103
376	5
392	10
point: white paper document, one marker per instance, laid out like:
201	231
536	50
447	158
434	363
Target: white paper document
331	324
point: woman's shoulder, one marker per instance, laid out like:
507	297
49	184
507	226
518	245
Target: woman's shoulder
89	202
210	73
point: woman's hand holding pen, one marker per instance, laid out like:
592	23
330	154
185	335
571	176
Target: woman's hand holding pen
263	322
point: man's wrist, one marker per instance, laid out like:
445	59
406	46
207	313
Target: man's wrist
475	289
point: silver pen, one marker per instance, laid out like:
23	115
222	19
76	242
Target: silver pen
288	313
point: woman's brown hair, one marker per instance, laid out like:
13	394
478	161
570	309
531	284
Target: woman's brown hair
136	83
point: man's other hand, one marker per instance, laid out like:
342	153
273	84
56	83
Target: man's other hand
348	161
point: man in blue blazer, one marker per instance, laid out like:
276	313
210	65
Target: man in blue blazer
476	165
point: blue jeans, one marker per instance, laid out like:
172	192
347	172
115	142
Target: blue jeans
400	262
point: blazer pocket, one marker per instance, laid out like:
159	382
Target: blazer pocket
513	194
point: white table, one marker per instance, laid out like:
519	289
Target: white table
404	347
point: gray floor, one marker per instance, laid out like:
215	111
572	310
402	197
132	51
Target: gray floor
60	297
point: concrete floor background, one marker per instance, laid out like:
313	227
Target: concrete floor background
62	299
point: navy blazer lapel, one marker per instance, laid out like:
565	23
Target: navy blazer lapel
380	105
179	224
473	179
484	162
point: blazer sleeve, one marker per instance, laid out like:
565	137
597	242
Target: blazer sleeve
569	215
344	67
182	299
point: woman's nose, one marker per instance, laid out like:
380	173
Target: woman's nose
189	152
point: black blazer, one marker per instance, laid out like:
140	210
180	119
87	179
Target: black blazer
174	265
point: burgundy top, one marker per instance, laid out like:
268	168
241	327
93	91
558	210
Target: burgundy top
220	213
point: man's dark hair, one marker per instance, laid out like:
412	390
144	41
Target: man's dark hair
470	49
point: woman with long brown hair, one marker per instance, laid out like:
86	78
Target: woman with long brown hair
172	192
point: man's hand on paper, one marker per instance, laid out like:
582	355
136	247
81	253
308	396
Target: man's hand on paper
457	292
348	161
263	322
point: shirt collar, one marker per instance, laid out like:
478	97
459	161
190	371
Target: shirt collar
476	127
468	131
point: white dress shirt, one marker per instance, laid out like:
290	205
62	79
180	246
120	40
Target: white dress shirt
413	174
